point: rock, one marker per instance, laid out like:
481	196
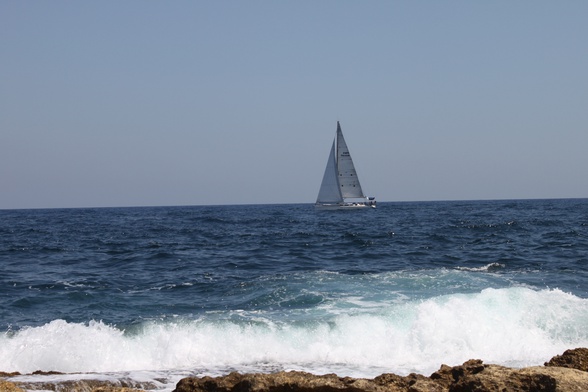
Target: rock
563	373
306	382
475	376
575	359
4	374
472	376
498	378
276	382
85	386
44	373
447	376
7	386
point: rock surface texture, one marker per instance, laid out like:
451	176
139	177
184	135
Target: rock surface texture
575	359
563	373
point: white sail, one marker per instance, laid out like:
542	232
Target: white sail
330	192
348	181
340	187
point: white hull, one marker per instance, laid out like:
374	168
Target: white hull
345	206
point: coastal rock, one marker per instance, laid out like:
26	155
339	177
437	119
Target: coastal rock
4	374
122	385
472	376
280	382
7	386
80	386
575	359
496	378
563	373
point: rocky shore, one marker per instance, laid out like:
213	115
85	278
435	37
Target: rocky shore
563	373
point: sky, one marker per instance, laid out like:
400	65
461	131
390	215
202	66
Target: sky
149	103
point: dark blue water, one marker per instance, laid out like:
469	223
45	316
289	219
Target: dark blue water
402	288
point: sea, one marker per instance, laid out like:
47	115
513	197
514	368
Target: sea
155	294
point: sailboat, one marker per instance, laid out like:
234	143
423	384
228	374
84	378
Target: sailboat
340	188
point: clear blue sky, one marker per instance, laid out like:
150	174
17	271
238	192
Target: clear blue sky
132	103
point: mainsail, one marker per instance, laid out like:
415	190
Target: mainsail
348	181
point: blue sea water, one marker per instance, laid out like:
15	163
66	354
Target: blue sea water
160	293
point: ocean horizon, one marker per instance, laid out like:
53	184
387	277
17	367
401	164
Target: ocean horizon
229	204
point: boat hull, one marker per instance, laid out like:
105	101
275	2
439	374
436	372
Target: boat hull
343	206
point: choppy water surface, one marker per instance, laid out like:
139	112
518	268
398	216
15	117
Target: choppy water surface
161	293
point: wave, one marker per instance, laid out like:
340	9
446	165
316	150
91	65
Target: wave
491	267
511	326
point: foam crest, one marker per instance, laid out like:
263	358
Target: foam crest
511	326
486	268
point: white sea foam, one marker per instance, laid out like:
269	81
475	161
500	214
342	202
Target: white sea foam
511	326
485	268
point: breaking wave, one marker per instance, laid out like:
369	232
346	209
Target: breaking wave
511	326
